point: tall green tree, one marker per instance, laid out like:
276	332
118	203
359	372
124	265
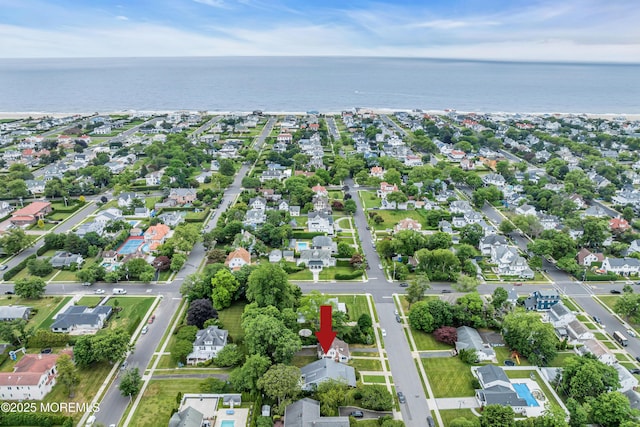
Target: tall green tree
611	409
465	283
30	287
420	318
268	336
225	285
131	382
497	416
245	378
280	382
585	377
417	288
15	240
67	374
526	333
269	285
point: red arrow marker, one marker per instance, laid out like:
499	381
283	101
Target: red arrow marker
326	335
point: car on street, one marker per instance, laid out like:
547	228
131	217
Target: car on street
446	291
367	227
384	332
401	397
597	319
404	285
99	291
615	291
151	319
356	414
638	358
430	421
398	319
631	333
635	371
3	267
144	330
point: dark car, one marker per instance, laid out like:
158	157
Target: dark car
46	350
398	319
404	285
509	363
446	291
615	291
635	371
356	414
368	228
638	358
8	292
430	421
597	319
401	397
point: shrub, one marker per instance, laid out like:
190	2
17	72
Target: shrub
349	276
9	274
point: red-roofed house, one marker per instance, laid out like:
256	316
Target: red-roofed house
285	138
31	213
619	225
238	258
320	190
32	378
314	126
377	171
156	235
456	155
386	188
407	224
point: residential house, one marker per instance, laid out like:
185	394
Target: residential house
237	259
5	209
258	203
183	196
207	344
188	417
31	213
9	313
110	257
108	215
542	300
254	218
323	370
320	203
456	155
377	172
283	206
63	259
324	243
125	199
460	207
627	380
294	210
595	211
35	186
407	224
619	225
386	189
560	316
172	218
621	266
306	413
156	235
320	222
494	179
89	227
578	200
469	339
33	377
526	210
634	247
496	389
153	179
509	262
275	256
599	350
585	257
316	259
80	319
320	190
338	351
288	255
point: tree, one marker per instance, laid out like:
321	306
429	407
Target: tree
161	263
331	394
30	287
229	356
446	334
506	227
376	398
465	283
246	377
350	206
225	286
397	197
500	296
345	250
181	349
177	261
611	409
269	285
471	234
497	416
226	167
420	318
440	264
579	415
200	311
131	382
280	382
268	336
13	332
15	240
526	333
628	305
75	244
585	377
136	267
67	374
468	356
39	267
441	311
417	288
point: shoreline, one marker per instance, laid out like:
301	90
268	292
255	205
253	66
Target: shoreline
41	114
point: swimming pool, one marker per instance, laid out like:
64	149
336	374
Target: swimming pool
130	246
524	392
227	423
302	246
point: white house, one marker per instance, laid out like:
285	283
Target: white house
494	179
621	266
487	242
320	222
599	350
207	344
627	380
469	339
339	351
238	258
32	378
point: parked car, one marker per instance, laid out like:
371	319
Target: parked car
401	397
356	414
446	291
430	421
145	330
597	319
4	267
367	227
615	291
8	293
384	332
638	358
404	285
631	333
635	371
398	319
46	350
509	363
151	319
99	291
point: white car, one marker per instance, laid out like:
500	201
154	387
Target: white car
631	333
384	332
99	291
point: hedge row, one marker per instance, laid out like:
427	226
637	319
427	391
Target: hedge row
44	338
305	234
18	268
349	276
600	277
343	263
42	249
68	209
34	419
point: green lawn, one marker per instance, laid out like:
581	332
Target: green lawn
301	361
449	415
366	364
356	306
48	320
133	310
391	218
376	379
449	377
570	304
89	301
24	274
66	276
426	341
301	275
231	319
369	199
561	358
160	398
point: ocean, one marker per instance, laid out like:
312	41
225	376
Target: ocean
315	83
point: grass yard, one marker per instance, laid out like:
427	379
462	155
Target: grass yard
561	358
369	199
160	398
24	274
46	322
611	345
301	275
366	364
65	276
391	218
231	318
356	306
449	377
375	379
301	361
570	304
449	415
426	341
133	310
90	301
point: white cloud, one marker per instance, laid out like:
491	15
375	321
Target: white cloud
122	18
448	24
213	3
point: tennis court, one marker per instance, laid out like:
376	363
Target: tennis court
130	246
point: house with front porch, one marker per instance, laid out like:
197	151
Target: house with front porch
318	258
621	266
207	344
320	222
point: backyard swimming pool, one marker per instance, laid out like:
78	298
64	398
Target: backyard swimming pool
524	392
302	246
227	423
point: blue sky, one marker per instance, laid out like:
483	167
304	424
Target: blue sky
533	30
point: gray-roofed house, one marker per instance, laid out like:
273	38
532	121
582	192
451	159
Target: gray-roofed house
621	266
125	199
294	210
560	315
306	413
90	227
288	255
80	319
326	369
183	196
207	344
63	259
470	339
14	312
320	222
316	259
324	243
188	417
172	219
275	255
338	351
254	217
497	389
